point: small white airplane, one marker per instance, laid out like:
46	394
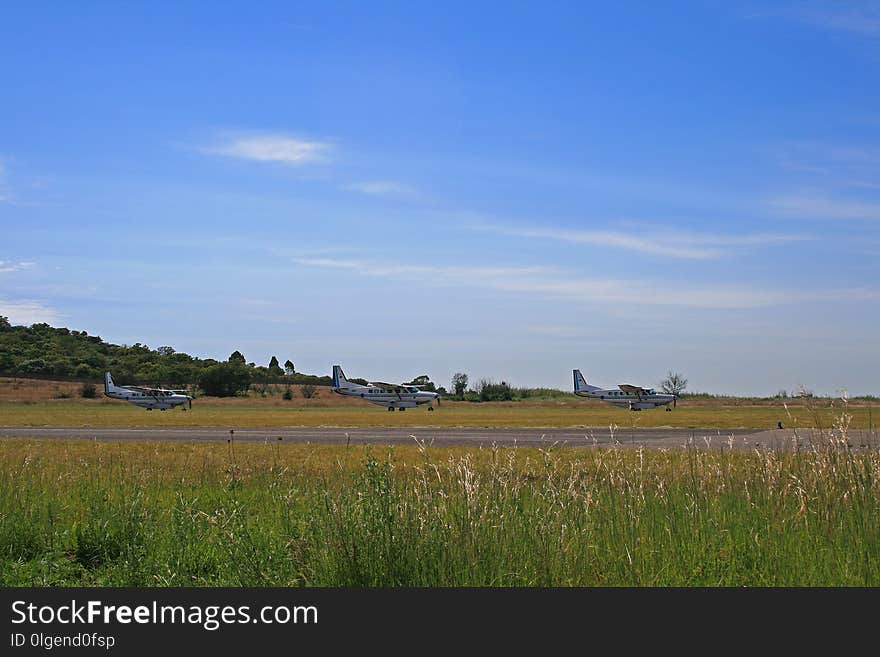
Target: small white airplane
634	398
389	395
148	398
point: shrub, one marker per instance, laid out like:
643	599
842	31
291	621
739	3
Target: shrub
307	390
287	394
225	379
88	391
491	391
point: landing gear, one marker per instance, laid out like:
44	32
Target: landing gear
668	410
430	408
401	409
390	408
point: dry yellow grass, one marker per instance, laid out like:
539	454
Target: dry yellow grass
31	403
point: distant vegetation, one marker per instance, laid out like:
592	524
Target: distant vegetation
44	351
673	384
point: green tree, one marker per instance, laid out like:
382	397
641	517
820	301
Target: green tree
674	383
4	323
83	371
274	367
33	366
459	384
225	379
288	368
423	381
237	357
491	391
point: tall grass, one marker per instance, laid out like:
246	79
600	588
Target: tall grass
272	514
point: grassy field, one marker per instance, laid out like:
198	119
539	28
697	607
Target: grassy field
165	514
574	413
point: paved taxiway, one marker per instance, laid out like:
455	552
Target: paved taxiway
567	437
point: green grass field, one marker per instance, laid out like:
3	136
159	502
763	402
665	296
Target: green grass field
166	514
568	413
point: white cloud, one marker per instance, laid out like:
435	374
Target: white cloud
677	244
438	274
28	312
550	282
272	148
6	266
816	207
381	188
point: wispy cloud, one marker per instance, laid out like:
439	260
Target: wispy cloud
818	207
858	16
551	282
7	266
836	165
678	244
438	274
381	188
28	312
267	147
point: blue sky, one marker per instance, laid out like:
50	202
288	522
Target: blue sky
507	190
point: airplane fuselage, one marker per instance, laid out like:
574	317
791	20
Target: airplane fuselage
634	402
407	397
390	395
635	398
161	399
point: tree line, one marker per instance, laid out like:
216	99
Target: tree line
44	351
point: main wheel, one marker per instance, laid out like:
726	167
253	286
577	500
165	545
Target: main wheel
430	408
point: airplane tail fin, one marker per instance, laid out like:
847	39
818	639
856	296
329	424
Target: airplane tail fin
109	386
580	383
339	380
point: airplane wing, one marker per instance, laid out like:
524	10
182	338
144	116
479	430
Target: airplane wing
146	391
396	387
632	390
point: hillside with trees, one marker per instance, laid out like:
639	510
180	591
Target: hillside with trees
43	351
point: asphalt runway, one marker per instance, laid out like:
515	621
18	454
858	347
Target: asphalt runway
569	437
